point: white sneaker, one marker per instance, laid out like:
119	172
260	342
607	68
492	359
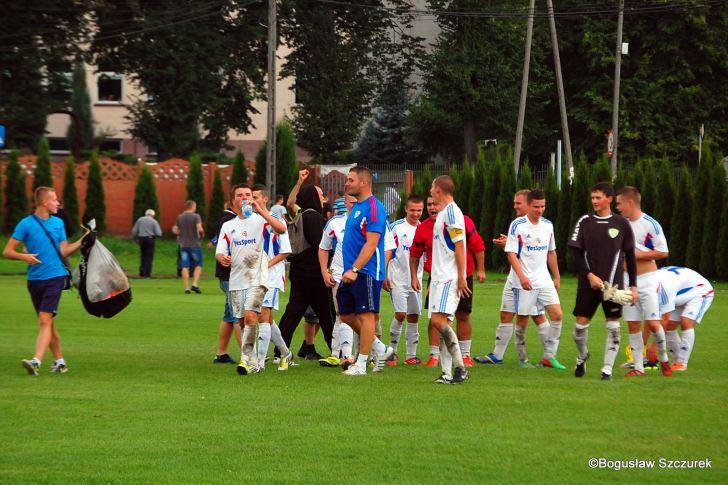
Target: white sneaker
380	360
355	370
285	362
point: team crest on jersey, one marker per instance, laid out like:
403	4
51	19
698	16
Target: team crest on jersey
613	232
245	233
356	214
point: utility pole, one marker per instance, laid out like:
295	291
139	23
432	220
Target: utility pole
615	101
270	153
524	86
560	87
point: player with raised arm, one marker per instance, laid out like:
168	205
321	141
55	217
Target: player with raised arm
685	295
603	243
650	245
531	251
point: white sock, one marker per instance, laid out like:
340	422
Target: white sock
686	345
355	342
336	338
673	344
544	330
36	360
346	337
248	350
635	341
361	361
611	346
378	328
503	335
412	334
658	337
465	347
581	335
264	334
554	337
277	339
448	335
395	332
378	346
445	359
435	351
521	343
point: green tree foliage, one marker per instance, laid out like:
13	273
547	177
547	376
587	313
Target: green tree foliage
205	76
525	178
680	222
504	212
340	58
95	198
16	202
562	223
70	194
81	109
580	203
217	206
42	175
712	213
601	171
196	185
665	202
701	190
261	167
462	192
145	195
721	263
477	191
240	172
490	204
620	180
551	189
286	168
648	189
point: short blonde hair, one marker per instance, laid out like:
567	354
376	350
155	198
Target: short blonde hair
41	194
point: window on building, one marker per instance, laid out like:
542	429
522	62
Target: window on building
110	146
109	87
58	146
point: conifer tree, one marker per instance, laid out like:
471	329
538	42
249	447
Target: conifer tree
70	194
563	221
504	212
601	172
697	217
16	202
145	195
648	189
240	172
462	194
490	204
580	203
525	178
712	213
551	189
195	185
81	108
680	222
721	263
477	191
217	206
95	198
665	201
42	175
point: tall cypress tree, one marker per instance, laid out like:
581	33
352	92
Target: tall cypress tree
195	185
477	190
580	203
95	198
70	194
462	195
504	211
713	211
145	195
680	222
217	206
697	217
42	176
648	189
261	169
286	167
721	263
240	172
551	189
601	172
525	178
81	108
16	202
490	204
666	194
563	220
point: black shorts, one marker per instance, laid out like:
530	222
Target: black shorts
464	305
588	300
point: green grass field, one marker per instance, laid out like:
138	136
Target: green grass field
143	403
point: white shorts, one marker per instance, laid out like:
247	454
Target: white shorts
648	304
249	299
694	309
508	302
444	298
271	298
406	300
528	300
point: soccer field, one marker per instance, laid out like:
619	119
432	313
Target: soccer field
143	403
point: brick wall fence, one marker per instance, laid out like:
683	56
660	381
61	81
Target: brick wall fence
120	181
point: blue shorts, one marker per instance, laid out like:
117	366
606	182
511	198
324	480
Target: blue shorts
46	294
361	296
227	315
190	257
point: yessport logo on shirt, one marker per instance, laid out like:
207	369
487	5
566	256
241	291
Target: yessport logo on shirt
613	232
245	242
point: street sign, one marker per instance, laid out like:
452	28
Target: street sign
2	136
610	143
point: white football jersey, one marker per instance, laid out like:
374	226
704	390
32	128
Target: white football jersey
531	243
449	229
244	240
273	245
680	285
648	234
332	239
389	242
398	272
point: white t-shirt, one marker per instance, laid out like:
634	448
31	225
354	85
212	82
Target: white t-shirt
244	240
449	229
275	244
680	285
531	243
648	234
332	239
399	266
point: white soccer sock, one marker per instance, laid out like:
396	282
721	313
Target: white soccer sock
36	360
658	337
581	335
611	346
448	335
355	342
503	335
378	328
264	334
673	344
378	346
635	341
435	351
686	345
554	337
248	350
543	334
412	334
395	332
445	359
521	343
361	361
336	338
465	347
346	337
277	339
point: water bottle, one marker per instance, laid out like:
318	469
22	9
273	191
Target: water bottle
247	209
